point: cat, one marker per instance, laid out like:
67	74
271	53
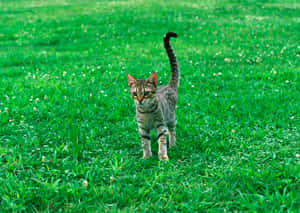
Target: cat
155	106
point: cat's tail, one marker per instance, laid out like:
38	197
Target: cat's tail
174	80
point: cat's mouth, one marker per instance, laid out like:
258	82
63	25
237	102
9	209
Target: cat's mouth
142	103
145	103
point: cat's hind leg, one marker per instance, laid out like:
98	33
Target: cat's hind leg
172	134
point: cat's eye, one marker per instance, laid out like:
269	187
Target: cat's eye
146	93
134	94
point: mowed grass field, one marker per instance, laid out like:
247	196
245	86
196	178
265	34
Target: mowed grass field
68	136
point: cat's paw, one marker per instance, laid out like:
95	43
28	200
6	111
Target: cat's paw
172	144
163	157
147	156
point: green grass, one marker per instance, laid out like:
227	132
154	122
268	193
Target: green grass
68	136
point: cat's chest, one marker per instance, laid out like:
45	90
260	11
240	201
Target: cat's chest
147	120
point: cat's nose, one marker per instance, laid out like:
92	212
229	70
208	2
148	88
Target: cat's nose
140	98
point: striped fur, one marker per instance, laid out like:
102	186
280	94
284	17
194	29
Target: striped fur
155	106
174	80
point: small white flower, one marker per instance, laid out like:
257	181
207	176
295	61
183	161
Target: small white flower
91	95
64	73
93	70
37	99
214	74
189	104
125	90
85	183
193	86
98	67
66	148
202	75
216	94
43	158
45	97
34	109
297	155
287	81
102	91
292	117
227	60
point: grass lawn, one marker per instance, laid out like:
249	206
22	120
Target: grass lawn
68	136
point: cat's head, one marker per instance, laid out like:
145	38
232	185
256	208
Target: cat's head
143	91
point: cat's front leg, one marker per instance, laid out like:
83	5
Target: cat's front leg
145	138
162	142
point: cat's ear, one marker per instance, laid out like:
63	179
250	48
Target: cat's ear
153	78
131	79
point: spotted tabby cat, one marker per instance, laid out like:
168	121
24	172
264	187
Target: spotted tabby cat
155	106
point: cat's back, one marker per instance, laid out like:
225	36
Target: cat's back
167	93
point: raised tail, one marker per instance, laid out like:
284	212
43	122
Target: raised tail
174	80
